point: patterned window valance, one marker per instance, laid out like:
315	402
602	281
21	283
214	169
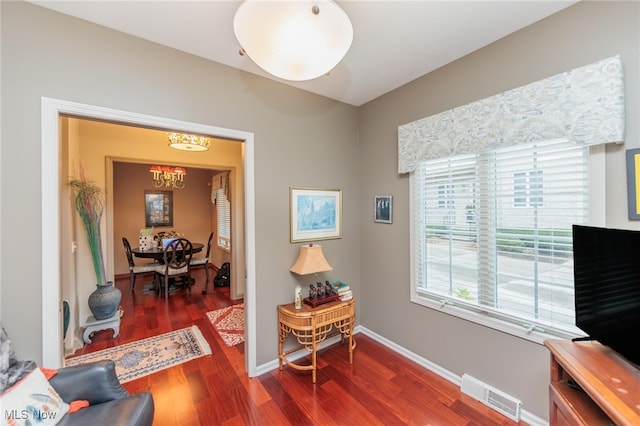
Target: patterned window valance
585	105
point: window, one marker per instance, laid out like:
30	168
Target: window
500	253
527	188
223	209
520	189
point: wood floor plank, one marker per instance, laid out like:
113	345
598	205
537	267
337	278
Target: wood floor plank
380	388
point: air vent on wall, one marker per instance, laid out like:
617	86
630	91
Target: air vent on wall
491	397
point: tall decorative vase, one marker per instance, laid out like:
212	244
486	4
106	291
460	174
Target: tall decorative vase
104	301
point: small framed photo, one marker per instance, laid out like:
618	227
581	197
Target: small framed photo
158	208
383	209
315	214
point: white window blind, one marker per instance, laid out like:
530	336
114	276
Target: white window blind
492	232
223	209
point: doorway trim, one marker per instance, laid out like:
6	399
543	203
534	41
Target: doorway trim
52	109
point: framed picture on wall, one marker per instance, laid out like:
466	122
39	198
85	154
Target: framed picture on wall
383	209
315	214
158	208
633	183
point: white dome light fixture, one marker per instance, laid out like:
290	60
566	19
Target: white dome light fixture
293	40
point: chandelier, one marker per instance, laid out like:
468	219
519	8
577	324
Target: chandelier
168	177
293	40
186	142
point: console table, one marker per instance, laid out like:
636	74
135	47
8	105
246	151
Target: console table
591	385
311	326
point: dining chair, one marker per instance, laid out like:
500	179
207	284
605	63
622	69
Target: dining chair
204	261
177	263
135	270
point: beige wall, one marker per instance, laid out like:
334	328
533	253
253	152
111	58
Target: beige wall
300	140
580	35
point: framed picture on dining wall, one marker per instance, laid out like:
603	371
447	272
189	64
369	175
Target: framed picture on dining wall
315	214
383	209
158	208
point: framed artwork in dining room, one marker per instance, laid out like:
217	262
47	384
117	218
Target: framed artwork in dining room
315	214
158	208
383	209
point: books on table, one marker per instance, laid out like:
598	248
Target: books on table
348	295
343	289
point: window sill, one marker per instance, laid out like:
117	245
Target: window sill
491	320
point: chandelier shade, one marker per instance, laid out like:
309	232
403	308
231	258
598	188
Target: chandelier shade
185	142
293	40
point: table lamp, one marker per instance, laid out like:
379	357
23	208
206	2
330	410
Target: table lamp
311	260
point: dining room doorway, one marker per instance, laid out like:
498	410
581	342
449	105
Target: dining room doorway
55	152
189	210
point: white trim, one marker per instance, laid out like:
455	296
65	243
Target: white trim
477	315
250	302
52	345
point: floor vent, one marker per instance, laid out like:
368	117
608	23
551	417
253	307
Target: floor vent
500	401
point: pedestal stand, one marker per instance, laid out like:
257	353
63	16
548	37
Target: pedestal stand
92	325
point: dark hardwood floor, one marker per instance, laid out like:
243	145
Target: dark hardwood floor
380	388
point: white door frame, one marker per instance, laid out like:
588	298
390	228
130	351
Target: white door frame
52	341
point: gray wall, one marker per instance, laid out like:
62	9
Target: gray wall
580	35
300	140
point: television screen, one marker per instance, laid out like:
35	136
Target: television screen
607	287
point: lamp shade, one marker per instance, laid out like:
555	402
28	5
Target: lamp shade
310	261
293	40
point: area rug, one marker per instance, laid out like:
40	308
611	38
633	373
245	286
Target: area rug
147	356
229	323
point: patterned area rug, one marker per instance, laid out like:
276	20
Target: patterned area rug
229	323
147	356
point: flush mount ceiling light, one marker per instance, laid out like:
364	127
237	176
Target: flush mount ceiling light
186	142
293	40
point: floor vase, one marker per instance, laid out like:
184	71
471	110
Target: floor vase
104	301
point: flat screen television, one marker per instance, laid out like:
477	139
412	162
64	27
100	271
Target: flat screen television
607	287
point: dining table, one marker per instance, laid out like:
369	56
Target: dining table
157	254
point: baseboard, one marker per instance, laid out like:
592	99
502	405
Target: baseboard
527	417
445	374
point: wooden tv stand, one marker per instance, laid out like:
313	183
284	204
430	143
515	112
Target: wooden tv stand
610	385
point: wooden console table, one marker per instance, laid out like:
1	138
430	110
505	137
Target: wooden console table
311	326
610	385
